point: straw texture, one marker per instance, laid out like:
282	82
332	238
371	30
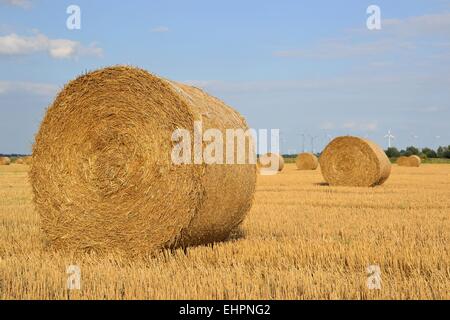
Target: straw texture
307	161
5	161
352	161
102	173
265	163
411	161
414	161
27	160
402	161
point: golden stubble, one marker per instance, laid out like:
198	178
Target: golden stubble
301	240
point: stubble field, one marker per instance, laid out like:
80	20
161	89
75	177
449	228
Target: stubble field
301	240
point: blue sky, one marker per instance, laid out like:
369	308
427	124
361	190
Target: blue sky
305	67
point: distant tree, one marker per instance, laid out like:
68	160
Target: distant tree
447	153
442	152
430	153
411	151
392	152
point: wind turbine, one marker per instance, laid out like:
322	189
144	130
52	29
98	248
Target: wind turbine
312	142
415	137
303	141
390	137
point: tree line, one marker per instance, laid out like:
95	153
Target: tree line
441	152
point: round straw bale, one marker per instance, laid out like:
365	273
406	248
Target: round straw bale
103	176
19	161
402	161
414	161
5	161
307	161
411	161
270	163
27	160
352	161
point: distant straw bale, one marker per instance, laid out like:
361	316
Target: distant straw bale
411	161
307	161
402	161
352	161
270	163
414	161
5	161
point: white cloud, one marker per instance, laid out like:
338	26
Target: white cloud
397	35
328	125
431	109
14	44
425	25
370	126
336	49
25	4
40	89
160	29
363	126
380	64
262	86
349	125
61	48
353	83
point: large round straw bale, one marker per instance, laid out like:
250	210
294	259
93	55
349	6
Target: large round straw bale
414	161
270	163
5	161
103	176
27	160
402	161
307	161
352	161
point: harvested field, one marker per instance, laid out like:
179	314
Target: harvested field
301	240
